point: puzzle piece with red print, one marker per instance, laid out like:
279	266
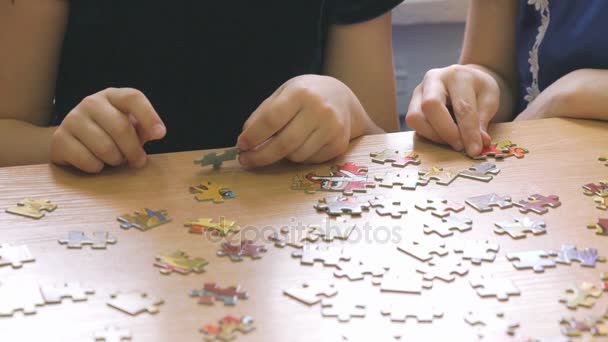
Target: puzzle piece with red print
537	260
180	262
211	292
584	294
236	251
520	227
439	175
407	181
596	189
601	227
223	227
396	158
208	191
144	219
501	150
227	328
346	178
448	225
440	207
338	205
601	202
587	257
589	326
329	255
538	203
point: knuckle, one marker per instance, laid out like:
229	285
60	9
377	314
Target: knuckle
270	119
430	104
462	108
132	94
284	146
306	93
91	101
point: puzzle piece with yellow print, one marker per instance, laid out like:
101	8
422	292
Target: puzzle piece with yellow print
208	191
223	227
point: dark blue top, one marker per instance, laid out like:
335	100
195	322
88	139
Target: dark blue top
575	37
204	65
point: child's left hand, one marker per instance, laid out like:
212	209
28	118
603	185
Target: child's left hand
309	119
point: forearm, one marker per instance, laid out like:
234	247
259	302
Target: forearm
23	143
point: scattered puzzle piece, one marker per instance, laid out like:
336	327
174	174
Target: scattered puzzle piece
520	227
236	251
349	205
179	262
488	286
492	326
400	313
535	259
56	293
357	269
587	257
15	255
596	189
593	325
396	158
112	334
486	202
293	236
329	255
405	181
604	158
77	239
144	219
363	335
211	292
332	229
216	159
405	281
134	302
223	227
601	227
227	328
423	249
443	268
207	191
538	203
439	207
483	172
346	178
477	250
302	183
310	292
501	150
342	308
19	296
32	208
387	206
439	175
448	225
601	202
585	294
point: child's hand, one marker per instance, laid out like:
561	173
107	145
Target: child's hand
308	119
474	96
109	127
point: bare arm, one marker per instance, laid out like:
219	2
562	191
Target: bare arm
31	33
489	44
361	56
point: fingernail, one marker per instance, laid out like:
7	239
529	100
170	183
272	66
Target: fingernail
473	149
458	146
159	131
141	161
242	144
243	160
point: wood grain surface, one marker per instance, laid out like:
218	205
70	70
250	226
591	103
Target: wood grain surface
563	156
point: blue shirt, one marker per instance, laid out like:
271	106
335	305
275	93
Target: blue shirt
556	37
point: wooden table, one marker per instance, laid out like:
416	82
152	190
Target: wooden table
563	157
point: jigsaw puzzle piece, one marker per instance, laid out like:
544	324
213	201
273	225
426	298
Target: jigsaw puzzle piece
223	227
329	255
601	227
144	219
587	257
216	160
520	227
348	205
310	292
294	236
387	206
396	158
112	334
485	203
477	250
492	326
134	302
489	286
601	202
445	268
439	207
448	225
406	181
180	262
357	269
538	203
439	175
227	328
400	313
604	158
15	255
20	296
246	248
77	239
423	249
342	308
535	259
482	172
332	229
56	293
208	191
596	189
211	293
32	208
404	281
584	294
303	183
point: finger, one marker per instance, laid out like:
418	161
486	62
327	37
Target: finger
433	105
67	150
281	145
330	151
271	117
488	101
464	104
311	146
121	130
98	142
134	102
415	119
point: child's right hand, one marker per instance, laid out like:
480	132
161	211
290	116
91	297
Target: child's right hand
474	96
109	127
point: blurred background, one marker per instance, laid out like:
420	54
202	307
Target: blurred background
427	34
